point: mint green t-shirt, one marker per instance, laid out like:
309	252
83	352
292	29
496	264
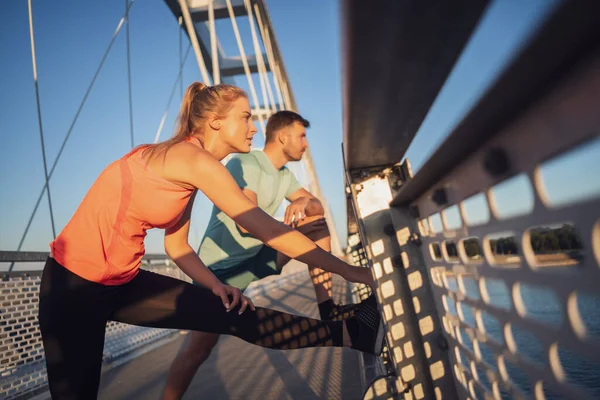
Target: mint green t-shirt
224	245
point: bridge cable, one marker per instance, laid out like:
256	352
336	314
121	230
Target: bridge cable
177	80
180	21
62	147
129	71
39	113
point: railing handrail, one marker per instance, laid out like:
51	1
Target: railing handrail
40	256
560	45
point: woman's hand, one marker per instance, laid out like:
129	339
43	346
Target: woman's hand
360	275
225	291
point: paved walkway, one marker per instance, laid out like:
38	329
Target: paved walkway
237	370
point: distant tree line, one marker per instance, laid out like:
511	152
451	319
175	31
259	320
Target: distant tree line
546	240
504	246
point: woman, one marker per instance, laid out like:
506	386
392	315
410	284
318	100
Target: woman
93	275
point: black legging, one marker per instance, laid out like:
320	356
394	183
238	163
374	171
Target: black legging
74	312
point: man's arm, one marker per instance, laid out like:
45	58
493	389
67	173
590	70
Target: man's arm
303	204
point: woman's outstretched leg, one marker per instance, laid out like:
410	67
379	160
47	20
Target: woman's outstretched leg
163	302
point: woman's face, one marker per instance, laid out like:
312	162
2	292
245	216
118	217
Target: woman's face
237	128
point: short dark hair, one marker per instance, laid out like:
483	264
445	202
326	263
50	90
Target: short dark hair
280	120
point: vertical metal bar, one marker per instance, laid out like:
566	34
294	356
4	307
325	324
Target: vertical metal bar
405	329
270	91
285	90
213	43
282	82
270	57
260	59
194	39
245	63
434	342
129	72
258	55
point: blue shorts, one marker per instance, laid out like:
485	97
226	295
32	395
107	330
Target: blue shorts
263	264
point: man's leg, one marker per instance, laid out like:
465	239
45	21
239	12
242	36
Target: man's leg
315	228
195	350
198	346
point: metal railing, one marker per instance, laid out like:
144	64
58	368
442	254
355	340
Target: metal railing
487	261
516	287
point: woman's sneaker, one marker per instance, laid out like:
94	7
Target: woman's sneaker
366	328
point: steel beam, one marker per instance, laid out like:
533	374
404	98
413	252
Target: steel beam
397	56
569	35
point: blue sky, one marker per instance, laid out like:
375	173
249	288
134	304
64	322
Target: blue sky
71	37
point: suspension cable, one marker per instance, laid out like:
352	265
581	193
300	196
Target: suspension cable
62	147
180	22
177	80
39	113
129	72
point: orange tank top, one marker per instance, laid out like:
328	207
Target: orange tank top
104	240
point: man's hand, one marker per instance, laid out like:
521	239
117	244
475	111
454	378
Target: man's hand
296	211
225	291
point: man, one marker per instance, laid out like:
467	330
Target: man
237	258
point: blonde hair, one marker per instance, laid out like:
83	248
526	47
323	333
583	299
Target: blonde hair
198	102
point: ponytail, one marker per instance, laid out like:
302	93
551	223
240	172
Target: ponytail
186	113
198	101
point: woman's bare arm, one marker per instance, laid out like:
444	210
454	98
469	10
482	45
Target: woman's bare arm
178	248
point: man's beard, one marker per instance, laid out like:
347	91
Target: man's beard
292	157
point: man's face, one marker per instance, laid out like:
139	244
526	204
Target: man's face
295	143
